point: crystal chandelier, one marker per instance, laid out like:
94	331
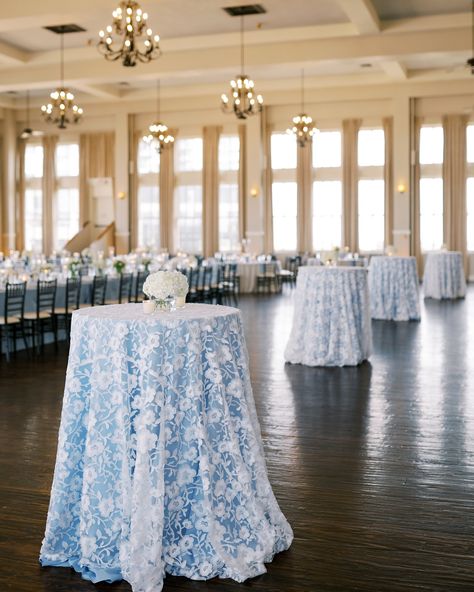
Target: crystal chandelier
302	124
130	23
243	101
62	109
158	133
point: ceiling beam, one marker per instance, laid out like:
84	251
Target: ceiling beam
12	55
102	91
362	15
31	14
394	69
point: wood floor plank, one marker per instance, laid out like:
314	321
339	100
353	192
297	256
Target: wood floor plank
373	466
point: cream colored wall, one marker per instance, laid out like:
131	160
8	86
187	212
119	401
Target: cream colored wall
189	114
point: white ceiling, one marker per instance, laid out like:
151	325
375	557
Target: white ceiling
183	18
400	40
399	9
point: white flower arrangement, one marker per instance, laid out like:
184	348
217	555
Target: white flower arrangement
164	284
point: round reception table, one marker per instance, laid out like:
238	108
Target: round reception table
331	320
394	288
160	465
444	275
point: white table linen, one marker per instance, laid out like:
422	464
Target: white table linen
444	275
331	320
394	288
160	463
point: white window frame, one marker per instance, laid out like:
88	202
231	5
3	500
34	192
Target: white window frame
333	173
284	176
372	173
430	171
64	182
35	184
188	178
149	180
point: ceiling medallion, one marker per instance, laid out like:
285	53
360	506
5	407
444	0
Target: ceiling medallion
158	133
243	100
302	124
129	25
62	109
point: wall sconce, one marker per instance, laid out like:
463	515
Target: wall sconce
401	187
121	195
254	191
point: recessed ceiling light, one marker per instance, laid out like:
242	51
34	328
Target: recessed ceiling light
244	10
61	29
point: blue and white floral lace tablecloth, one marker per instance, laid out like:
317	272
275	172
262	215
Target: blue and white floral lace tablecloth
160	463
331	321
444	275
394	288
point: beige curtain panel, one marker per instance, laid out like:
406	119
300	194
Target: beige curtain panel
20	210
266	135
49	188
350	177
454	183
242	181
97	159
210	206
416	196
387	123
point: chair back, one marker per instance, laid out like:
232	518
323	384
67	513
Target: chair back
141	277
125	287
99	287
14	300
267	269
84	270
46	296
227	273
73	293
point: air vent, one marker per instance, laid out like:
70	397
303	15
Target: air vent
60	29
245	10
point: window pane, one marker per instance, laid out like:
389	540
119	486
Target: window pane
431	145
188	154
284	202
283	151
188	218
431	213
229	153
148	158
34	219
229	217
470	143
327	215
470	213
148	216
33	161
371	214
67	160
326	149
67	215
371	147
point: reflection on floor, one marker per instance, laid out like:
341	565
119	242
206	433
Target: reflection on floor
373	466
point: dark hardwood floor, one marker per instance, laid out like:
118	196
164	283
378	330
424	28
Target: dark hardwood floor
373	466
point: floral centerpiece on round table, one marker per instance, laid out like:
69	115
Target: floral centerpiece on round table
167	289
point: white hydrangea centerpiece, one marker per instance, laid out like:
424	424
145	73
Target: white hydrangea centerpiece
164	286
